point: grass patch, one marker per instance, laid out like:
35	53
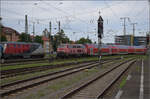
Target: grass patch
55	62
65	83
61	61
123	82
138	68
62	84
21	77
115	61
26	76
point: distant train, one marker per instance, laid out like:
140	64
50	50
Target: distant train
20	49
65	50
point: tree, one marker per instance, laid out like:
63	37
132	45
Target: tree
3	38
61	34
38	39
55	42
83	41
59	38
24	37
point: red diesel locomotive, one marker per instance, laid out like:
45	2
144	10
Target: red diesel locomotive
21	49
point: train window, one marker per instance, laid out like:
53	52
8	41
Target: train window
23	45
69	46
7	45
74	46
79	50
18	45
78	46
14	45
62	46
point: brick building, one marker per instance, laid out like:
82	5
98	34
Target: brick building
10	34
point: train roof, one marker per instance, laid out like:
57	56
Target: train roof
19	43
139	47
122	46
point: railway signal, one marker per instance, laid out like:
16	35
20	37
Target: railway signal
147	40
100	33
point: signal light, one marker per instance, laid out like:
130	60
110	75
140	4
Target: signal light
147	40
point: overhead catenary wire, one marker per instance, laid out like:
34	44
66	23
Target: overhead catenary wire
60	18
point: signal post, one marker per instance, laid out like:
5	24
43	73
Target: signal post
100	33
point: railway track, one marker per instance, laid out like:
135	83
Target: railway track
22	63
22	71
28	83
22	60
30	61
27	61
100	83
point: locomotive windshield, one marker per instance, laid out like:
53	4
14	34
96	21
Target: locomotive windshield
1	50
62	46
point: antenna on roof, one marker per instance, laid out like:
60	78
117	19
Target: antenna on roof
99	12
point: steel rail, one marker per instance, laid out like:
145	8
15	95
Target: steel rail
72	92
71	71
21	71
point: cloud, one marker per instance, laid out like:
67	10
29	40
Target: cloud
76	16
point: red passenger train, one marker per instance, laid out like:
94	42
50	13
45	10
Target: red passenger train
92	49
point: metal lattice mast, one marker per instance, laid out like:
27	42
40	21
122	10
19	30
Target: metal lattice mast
133	24
124	29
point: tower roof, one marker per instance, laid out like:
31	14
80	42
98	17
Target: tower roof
100	18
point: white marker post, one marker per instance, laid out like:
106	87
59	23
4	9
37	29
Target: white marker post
142	82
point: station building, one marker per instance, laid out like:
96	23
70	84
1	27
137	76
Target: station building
10	34
127	40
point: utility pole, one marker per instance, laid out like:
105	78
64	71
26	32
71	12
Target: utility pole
50	29
0	28
133	24
26	25
0	22
124	29
149	26
33	30
59	30
59	27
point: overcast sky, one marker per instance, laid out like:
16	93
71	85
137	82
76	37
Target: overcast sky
78	18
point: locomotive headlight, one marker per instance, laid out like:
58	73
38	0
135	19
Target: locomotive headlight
5	45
